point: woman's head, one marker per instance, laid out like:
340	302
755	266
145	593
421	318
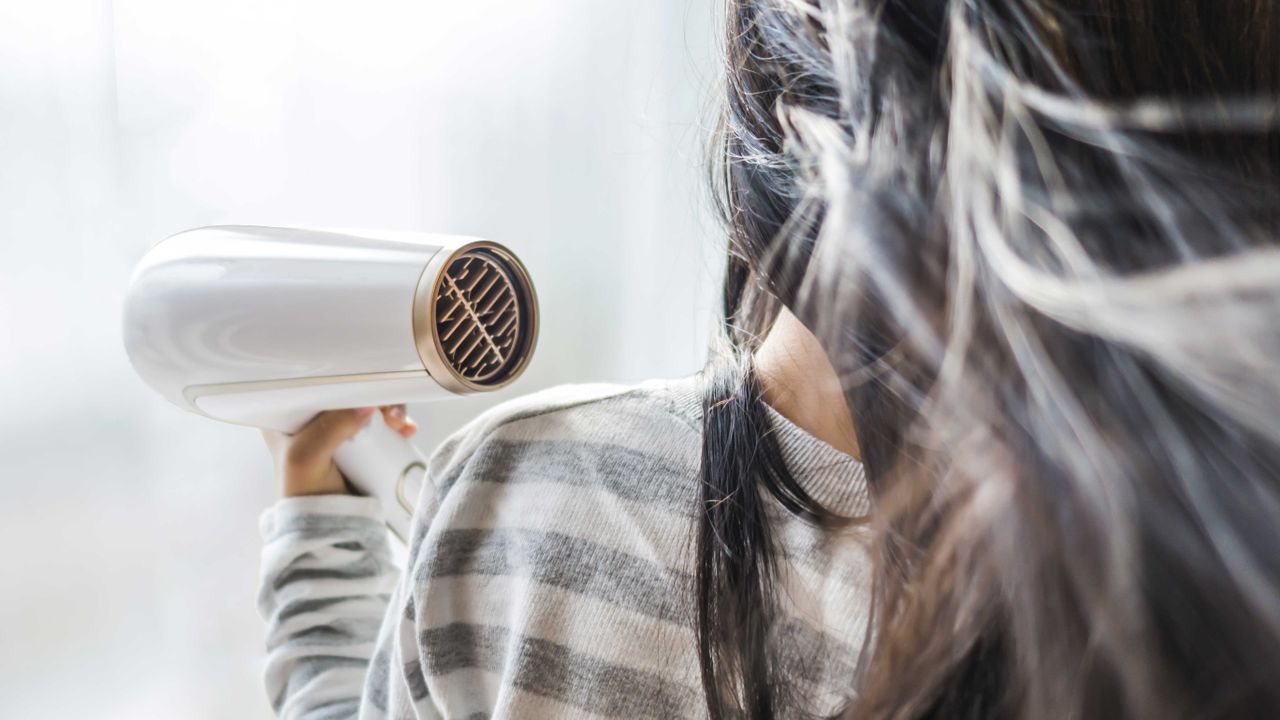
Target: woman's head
1053	227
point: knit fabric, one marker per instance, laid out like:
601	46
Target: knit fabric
549	573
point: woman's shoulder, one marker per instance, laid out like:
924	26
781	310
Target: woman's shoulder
597	428
554	558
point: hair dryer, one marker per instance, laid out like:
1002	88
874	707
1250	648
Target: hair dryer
268	326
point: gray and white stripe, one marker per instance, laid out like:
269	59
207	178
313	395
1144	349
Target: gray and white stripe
549	573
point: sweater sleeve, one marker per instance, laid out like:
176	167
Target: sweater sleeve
326	578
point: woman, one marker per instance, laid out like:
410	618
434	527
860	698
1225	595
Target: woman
993	434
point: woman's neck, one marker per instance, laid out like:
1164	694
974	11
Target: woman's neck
800	383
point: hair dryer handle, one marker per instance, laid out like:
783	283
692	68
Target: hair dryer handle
379	462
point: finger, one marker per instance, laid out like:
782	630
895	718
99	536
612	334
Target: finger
315	442
397	420
394	415
410	427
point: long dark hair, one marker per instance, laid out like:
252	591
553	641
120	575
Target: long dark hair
1054	225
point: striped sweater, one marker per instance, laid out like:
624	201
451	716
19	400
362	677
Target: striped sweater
549	573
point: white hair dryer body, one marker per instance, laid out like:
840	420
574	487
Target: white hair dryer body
268	326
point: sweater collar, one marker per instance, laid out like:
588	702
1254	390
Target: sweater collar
834	479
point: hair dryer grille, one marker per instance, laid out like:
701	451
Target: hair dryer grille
484	317
478	317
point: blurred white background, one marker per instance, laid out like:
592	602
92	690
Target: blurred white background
571	130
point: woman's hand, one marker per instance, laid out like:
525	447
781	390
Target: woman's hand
304	460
